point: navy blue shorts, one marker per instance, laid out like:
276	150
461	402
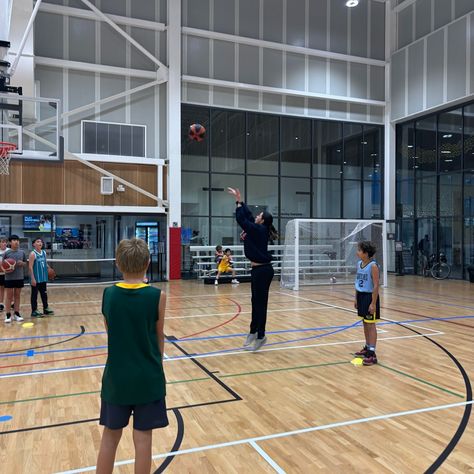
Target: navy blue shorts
364	300
145	417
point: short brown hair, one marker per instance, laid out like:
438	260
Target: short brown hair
132	256
367	247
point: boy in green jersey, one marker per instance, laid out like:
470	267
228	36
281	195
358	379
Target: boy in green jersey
133	380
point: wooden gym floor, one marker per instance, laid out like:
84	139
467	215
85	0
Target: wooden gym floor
298	405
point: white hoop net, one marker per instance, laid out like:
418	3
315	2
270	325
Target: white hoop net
5	156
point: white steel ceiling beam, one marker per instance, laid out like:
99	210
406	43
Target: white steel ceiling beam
123	33
279	90
88	15
280	46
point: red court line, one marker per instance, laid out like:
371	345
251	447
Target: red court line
239	309
52	361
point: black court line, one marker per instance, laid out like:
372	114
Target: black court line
467	408
177	443
90	420
206	371
26	349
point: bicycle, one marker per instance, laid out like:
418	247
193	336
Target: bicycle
436	266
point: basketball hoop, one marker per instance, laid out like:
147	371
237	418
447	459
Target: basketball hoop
6	149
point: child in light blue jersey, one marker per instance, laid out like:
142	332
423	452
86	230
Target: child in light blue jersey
367	300
38	267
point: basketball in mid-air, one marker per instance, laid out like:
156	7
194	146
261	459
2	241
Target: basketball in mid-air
197	132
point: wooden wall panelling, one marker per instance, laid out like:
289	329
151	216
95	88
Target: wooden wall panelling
43	182
147	180
128	172
82	184
10	185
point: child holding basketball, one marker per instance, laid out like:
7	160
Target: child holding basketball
367	300
3	249
225	266
133	379
38	267
14	277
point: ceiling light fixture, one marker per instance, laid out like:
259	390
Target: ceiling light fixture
352	3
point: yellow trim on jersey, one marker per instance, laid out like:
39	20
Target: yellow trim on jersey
131	286
372	320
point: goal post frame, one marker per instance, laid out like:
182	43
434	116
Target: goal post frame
384	249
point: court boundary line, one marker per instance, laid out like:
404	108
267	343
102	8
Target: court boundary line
203	356
284	434
267	457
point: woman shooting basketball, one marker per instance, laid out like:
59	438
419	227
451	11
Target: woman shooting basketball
256	234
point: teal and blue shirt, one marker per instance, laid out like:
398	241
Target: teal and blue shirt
40	267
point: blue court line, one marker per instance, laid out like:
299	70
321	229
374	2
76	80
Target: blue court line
343	328
283	331
63	369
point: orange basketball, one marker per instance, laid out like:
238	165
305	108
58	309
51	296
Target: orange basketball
8	265
51	274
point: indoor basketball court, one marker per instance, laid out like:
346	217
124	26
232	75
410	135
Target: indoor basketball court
345	126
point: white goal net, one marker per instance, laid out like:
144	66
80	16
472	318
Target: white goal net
319	251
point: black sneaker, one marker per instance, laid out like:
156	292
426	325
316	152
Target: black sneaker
48	312
370	359
2	307
362	353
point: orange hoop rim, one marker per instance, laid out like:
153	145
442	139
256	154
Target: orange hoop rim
6	148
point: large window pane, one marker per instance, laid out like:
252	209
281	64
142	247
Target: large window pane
327	142
228	141
352	200
469	219
262	191
225	231
425	244
372	147
295	198
195	194
450	195
405	198
450	243
450	141
296	147
353	146
469	138
194	155
407	236
406	151
263	144
425	137
195	230
372	199
426	197
222	204
327	198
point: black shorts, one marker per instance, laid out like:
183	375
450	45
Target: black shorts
2	280
145	417
364	300
14	283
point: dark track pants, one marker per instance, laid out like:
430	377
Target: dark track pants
262	276
41	288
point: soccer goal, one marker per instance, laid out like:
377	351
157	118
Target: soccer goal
324	252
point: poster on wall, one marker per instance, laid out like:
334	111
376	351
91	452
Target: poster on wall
5	224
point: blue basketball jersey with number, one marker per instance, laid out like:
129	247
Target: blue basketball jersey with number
364	282
40	268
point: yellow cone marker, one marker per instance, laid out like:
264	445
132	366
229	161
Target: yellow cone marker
27	325
357	361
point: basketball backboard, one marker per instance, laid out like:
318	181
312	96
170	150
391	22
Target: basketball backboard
33	124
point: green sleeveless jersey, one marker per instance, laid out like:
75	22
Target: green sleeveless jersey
133	373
